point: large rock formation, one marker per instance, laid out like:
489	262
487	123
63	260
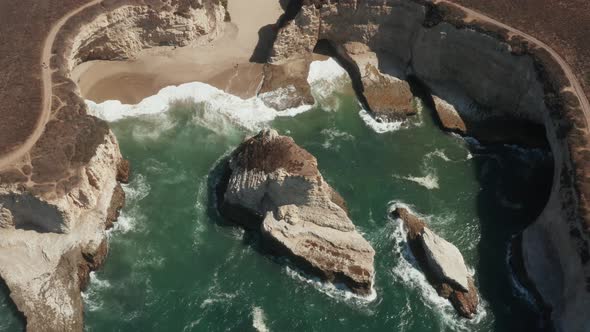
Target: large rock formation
58	197
442	263
389	98
274	186
53	242
500	88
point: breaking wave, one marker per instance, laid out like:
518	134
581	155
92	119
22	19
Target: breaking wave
381	127
325	77
336	291
258	320
92	298
438	153
137	190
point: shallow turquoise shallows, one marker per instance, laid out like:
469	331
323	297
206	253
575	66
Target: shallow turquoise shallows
173	265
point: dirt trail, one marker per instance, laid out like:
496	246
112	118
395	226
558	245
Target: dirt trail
577	87
8	159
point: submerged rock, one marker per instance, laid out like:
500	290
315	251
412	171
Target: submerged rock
442	263
388	97
274	186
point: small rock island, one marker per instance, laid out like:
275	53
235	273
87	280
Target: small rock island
441	262
274	186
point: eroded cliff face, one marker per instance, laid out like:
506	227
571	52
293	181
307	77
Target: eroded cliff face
57	201
123	32
480	79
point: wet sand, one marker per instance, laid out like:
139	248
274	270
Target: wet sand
223	63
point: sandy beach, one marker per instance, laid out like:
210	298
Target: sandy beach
224	63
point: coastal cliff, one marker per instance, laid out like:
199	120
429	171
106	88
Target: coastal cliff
60	196
491	84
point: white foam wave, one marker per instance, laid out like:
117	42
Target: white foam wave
429	181
438	153
326	71
125	223
91	296
137	190
333	134
258	320
250	114
377	126
407	272
326	78
335	291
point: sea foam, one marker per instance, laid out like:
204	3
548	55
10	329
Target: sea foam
251	114
336	291
430	181
258	320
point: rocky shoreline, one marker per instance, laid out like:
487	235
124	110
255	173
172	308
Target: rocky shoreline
58	200
70	177
459	59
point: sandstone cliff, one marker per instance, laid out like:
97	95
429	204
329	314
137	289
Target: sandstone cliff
58	199
274	186
487	82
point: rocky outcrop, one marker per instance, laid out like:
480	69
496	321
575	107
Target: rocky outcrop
285	86
449	117
502	90
58	199
274	186
441	262
120	32
389	98
45	257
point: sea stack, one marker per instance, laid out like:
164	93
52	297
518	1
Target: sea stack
274	186
442	264
388	98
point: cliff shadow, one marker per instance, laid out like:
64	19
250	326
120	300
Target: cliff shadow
515	186
217	182
268	33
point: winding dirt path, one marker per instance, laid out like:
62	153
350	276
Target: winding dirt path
575	84
46	72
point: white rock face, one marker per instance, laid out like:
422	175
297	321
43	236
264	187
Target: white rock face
41	268
299	214
445	259
123	32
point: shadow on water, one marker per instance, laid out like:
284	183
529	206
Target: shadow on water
268	33
515	187
217	181
20	322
